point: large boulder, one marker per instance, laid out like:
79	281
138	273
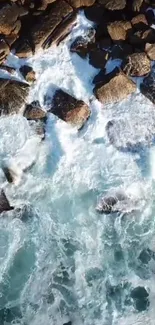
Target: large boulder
147	87
113	4
69	109
9	15
12	96
48	23
137	65
118	30
4	203
116	89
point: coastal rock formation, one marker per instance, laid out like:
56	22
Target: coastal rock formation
4	203
137	65
27	73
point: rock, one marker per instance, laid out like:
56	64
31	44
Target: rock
40	32
137	5
150	51
118	30
12	95
81	3
119	51
7	68
107	203
113	4
83	44
140	297
137	65
68	323
139	22
28	73
33	111
145	256
94	13
142	37
117	89
44	4
4	50
150	16
9	22
4	203
69	109
98	58
99	78
10	39
105	43
147	87
23	49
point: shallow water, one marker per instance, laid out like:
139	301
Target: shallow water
60	260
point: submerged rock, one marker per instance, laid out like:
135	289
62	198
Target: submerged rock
28	73
117	89
12	96
108	203
69	109
140	297
4	203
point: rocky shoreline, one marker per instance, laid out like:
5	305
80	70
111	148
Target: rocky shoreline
122	30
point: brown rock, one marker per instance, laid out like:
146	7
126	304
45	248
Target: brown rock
45	3
12	96
69	109
9	18
28	73
117	89
4	203
113	4
142	37
23	48
48	23
33	111
119	30
137	5
148	86
4	50
10	39
137	65
150	51
98	58
81	3
139	22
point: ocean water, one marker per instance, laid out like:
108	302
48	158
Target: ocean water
60	260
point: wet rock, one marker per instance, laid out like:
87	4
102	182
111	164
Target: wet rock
119	51
41	31
107	203
44	4
137	5
4	203
119	30
147	87
140	297
113	4
4	50
80	3
28	73
9	22
105	43
98	58
150	51
68	323
7	68
82	45
33	111
12	96
150	17
136	65
23	48
145	256
117	89
94	13
69	109
141	37
99	78
139	22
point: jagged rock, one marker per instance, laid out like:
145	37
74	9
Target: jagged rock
142	37
82	45
9	22
118	30
23	48
139	22
108	203
119	51
10	39
99	78
69	109
12	96
4	203
113	4
45	3
49	22
81	3
4	50
117	89
137	5
148	86
150	51
98	58
95	13
33	111
136	65
28	73
7	68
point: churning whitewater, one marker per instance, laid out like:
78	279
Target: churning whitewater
60	260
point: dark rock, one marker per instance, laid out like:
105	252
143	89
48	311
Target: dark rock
68	323
107	203
7	68
140	297
44	4
117	89
119	51
113	4
139	22
137	5
69	109
119	30
12	96
150	17
23	48
145	256
105	43
98	58
136	65
94	13
33	111
147	87
41	31
99	78
4	203
150	51
80	3
28	73
4	50
82	45
141	37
